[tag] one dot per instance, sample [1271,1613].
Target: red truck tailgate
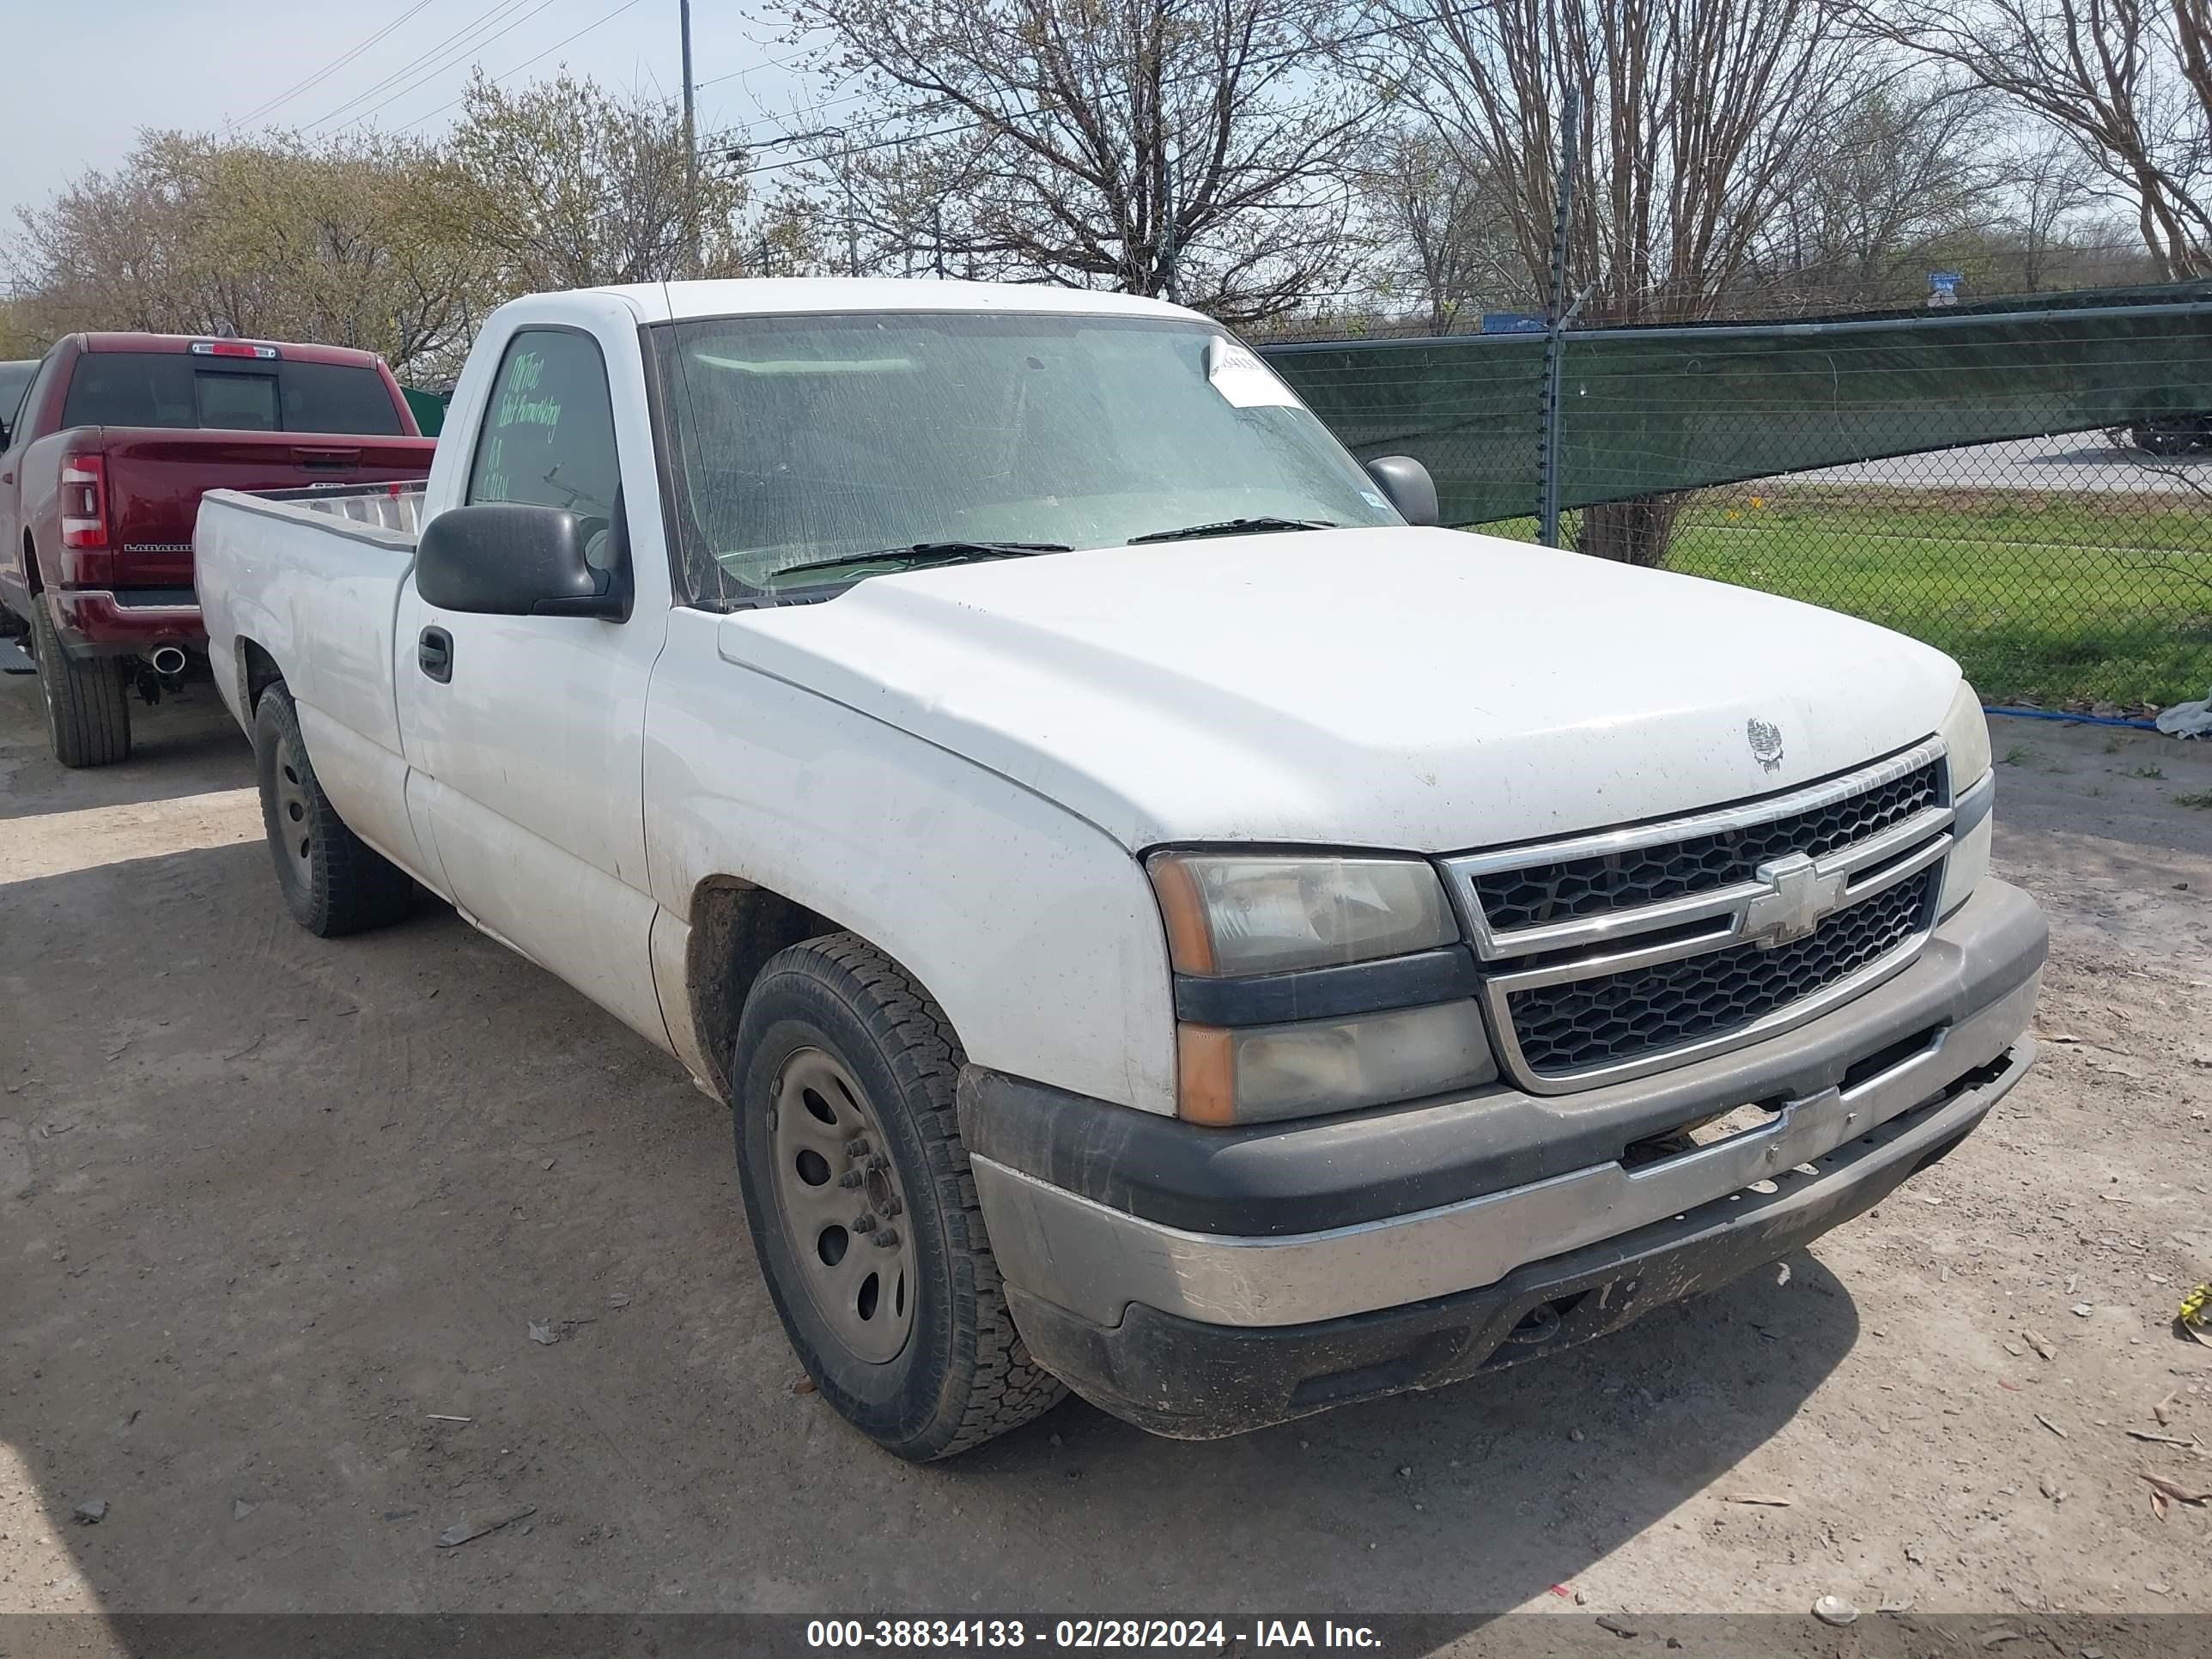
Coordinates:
[157,474]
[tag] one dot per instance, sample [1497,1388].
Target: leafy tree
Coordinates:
[568,186]
[345,242]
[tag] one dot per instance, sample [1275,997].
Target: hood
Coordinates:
[1417,690]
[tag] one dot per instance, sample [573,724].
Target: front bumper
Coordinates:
[100,622]
[1187,1298]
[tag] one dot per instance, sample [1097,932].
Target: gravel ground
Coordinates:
[276,1216]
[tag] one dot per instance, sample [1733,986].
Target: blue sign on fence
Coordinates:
[1512,322]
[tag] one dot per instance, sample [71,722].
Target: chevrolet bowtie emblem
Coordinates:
[1801,900]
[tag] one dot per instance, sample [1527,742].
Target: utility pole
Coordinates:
[690,152]
[1168,249]
[1547,504]
[852,232]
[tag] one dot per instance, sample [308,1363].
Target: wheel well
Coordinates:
[736,926]
[257,671]
[30,563]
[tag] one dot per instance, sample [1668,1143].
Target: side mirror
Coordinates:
[1405,482]
[508,559]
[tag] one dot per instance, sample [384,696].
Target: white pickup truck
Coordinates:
[1164,922]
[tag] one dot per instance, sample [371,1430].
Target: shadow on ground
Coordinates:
[187,745]
[279,1215]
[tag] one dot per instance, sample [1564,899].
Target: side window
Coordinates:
[548,436]
[34,395]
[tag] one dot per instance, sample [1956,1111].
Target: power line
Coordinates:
[453,58]
[526,62]
[754,68]
[335,64]
[1010,116]
[481,20]
[927,105]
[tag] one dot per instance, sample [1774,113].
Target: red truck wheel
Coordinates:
[88,705]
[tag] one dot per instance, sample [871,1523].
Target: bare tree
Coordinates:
[1903,170]
[2130,81]
[1698,119]
[1441,228]
[1140,144]
[2050,183]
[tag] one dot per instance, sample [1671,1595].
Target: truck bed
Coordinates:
[325,569]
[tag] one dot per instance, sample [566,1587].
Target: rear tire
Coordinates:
[332,881]
[888,1289]
[88,705]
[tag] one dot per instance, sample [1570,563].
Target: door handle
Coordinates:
[434,654]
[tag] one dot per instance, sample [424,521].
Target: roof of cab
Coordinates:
[295,351]
[769,296]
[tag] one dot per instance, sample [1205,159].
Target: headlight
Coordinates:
[1238,915]
[1229,914]
[1966,735]
[1259,1073]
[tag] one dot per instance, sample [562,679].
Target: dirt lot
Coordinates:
[274,1211]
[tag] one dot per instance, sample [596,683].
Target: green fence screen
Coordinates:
[429,408]
[2026,483]
[1648,410]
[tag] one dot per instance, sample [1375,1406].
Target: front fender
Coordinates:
[1035,931]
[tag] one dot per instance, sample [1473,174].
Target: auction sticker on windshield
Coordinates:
[1242,378]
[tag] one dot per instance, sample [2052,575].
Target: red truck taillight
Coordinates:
[84,501]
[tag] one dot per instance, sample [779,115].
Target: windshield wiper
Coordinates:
[922,555]
[1233,527]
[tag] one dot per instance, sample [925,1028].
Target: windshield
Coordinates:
[802,440]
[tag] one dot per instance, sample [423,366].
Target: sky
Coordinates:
[78,80]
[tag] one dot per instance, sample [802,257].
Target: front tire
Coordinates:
[332,881]
[862,1210]
[88,705]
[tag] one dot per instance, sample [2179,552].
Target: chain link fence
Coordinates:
[2065,572]
[2029,489]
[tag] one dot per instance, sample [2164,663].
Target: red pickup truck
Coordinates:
[101,477]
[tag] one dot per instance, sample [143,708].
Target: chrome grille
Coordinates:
[1612,956]
[1600,1021]
[1591,886]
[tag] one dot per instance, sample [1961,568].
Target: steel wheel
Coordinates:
[843,1213]
[293,821]
[844,1070]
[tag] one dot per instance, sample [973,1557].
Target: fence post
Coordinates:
[1558,311]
